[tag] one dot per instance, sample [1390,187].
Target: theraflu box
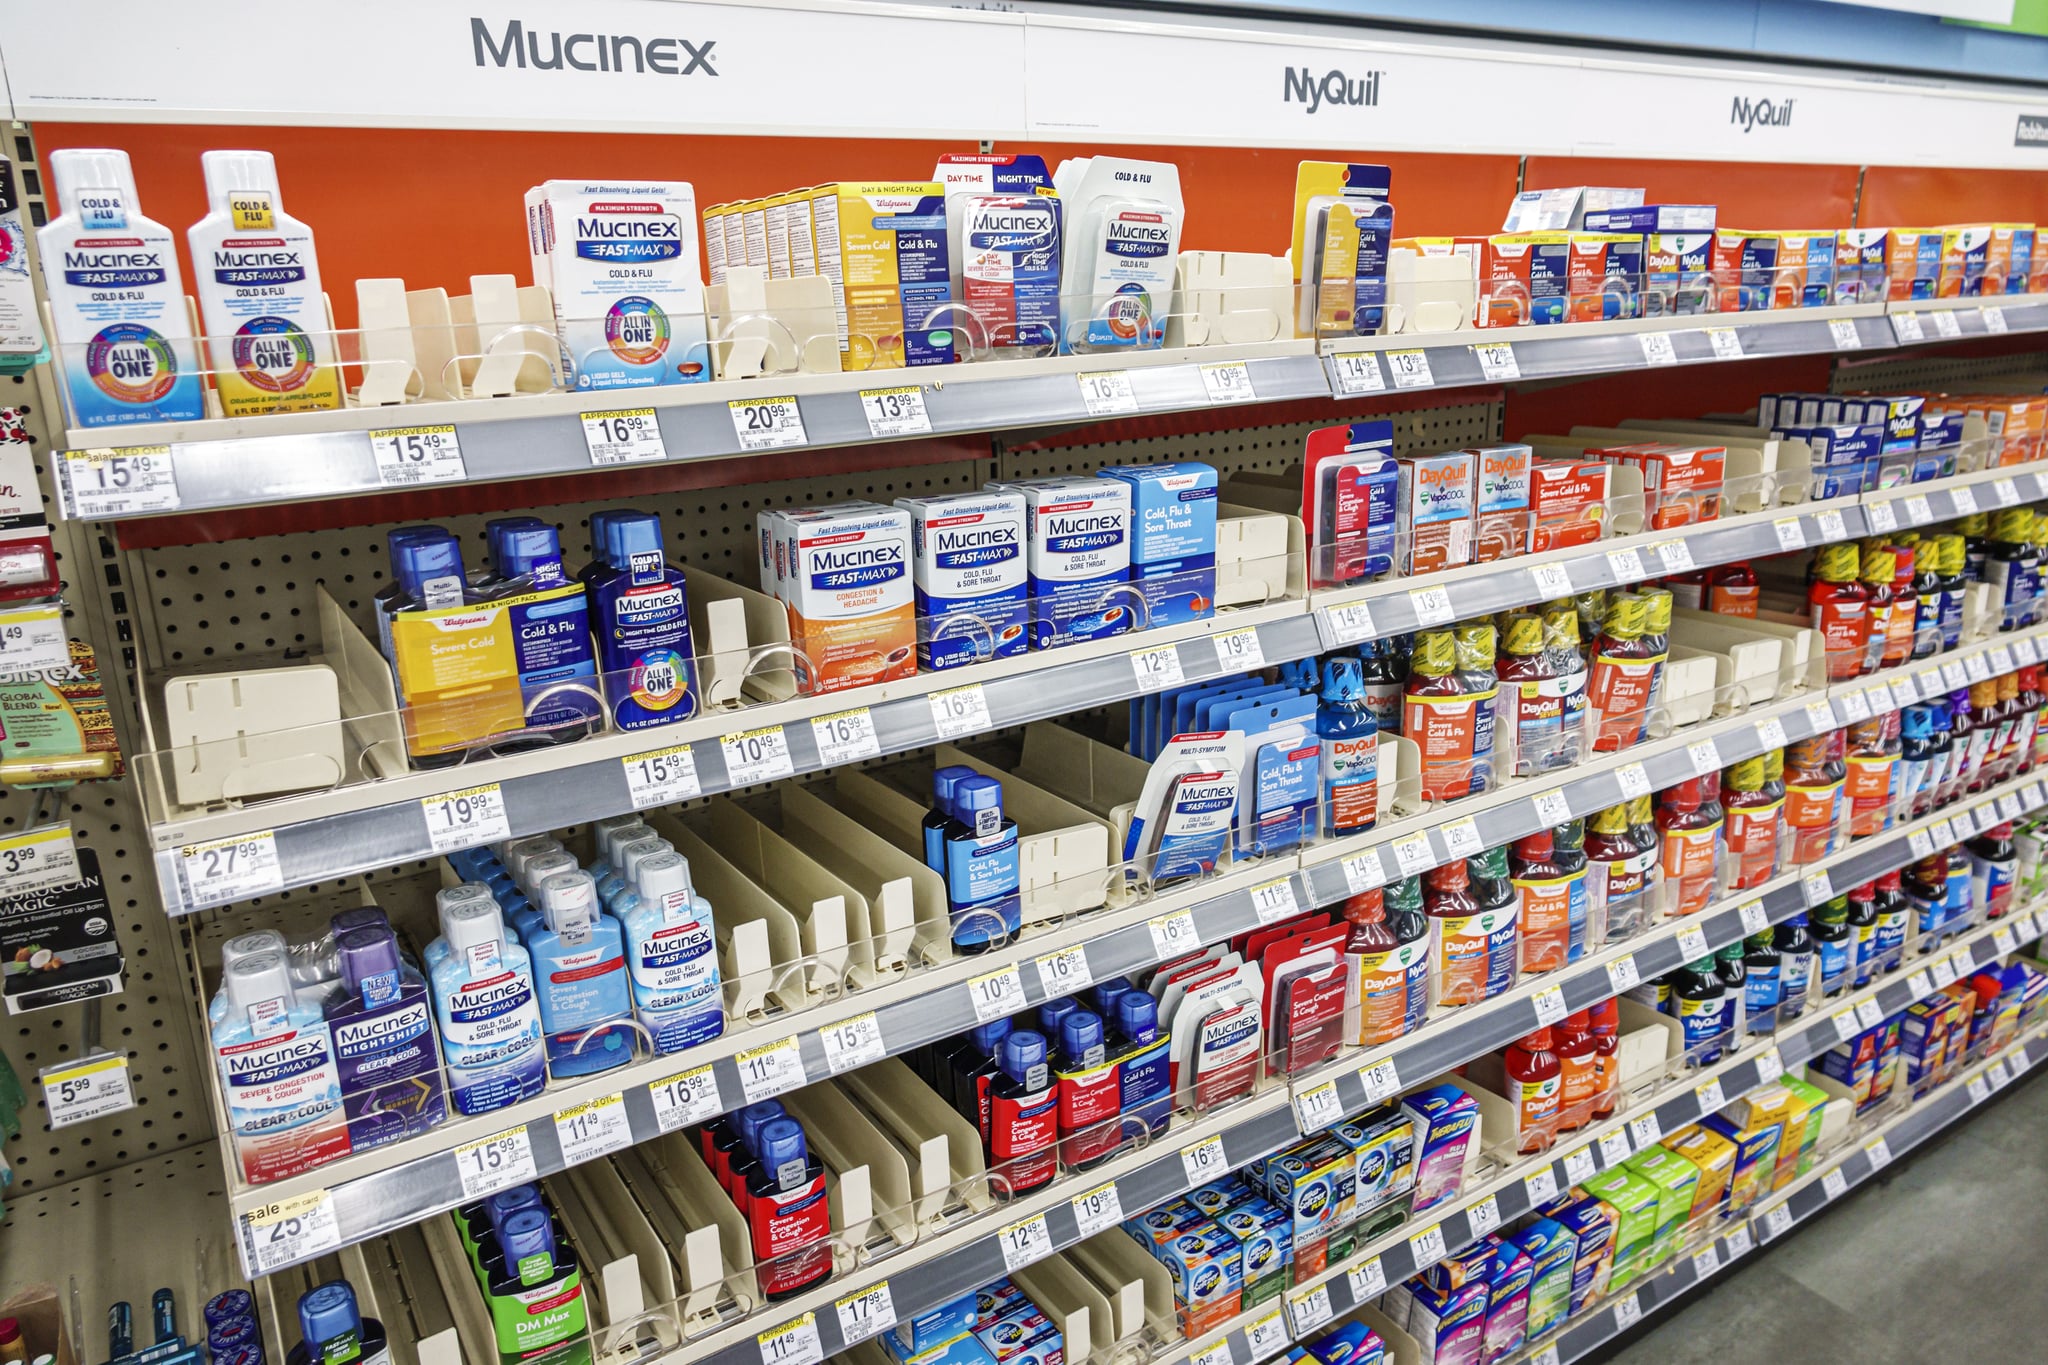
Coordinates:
[843,574]
[1078,554]
[883,247]
[628,287]
[967,558]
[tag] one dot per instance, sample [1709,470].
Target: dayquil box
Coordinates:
[1913,260]
[1604,277]
[1678,273]
[1500,522]
[1567,503]
[883,245]
[1965,254]
[1433,513]
[1525,279]
[1861,275]
[1636,1203]
[843,574]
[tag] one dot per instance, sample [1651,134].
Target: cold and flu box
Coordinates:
[1078,552]
[1173,539]
[884,247]
[843,575]
[967,553]
[621,260]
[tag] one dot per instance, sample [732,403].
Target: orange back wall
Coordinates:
[435,206]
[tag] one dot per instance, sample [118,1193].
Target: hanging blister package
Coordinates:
[1343,234]
[1003,223]
[1121,250]
[1350,499]
[1184,813]
[1277,809]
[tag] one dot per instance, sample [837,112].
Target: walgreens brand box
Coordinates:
[1681,483]
[1647,218]
[1567,503]
[1524,279]
[883,246]
[1173,539]
[1913,260]
[1766,270]
[1605,277]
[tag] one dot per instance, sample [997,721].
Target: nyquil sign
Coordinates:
[1749,114]
[1303,86]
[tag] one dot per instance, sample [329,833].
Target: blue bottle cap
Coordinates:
[1102,995]
[230,1304]
[636,534]
[405,535]
[1343,679]
[505,1203]
[425,560]
[784,1154]
[528,1232]
[978,804]
[530,551]
[1052,1012]
[600,536]
[1137,1016]
[1081,1038]
[1798,918]
[1022,1058]
[756,1116]
[944,780]
[1917,723]
[498,528]
[327,1312]
[988,1037]
[370,956]
[1944,714]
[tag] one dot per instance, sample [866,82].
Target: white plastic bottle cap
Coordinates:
[91,168]
[449,896]
[630,856]
[569,900]
[228,173]
[662,876]
[259,988]
[611,840]
[547,865]
[475,931]
[249,945]
[519,852]
[600,828]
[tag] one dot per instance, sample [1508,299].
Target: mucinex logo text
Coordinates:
[1748,114]
[1300,85]
[618,53]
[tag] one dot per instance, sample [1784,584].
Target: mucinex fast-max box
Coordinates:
[844,576]
[1078,554]
[967,559]
[883,247]
[628,287]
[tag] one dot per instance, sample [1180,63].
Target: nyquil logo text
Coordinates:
[2031,132]
[1749,114]
[1303,86]
[616,52]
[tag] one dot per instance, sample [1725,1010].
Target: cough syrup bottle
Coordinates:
[1832,946]
[1953,586]
[1607,1056]
[1992,861]
[1023,1113]
[1905,616]
[1562,645]
[1623,675]
[1813,798]
[1753,820]
[1731,966]
[1536,1089]
[1535,699]
[1795,966]
[1351,750]
[1696,999]
[1472,962]
[1689,851]
[1875,573]
[1579,1071]
[1839,608]
[1553,900]
[1893,914]
[1623,870]
[1085,1078]
[1874,748]
[1763,979]
[1448,709]
[1390,967]
[787,1212]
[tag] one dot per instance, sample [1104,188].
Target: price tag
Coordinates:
[1203,1161]
[1918,510]
[287,1231]
[1552,581]
[1622,976]
[1552,808]
[89,1088]
[661,777]
[1550,1006]
[1381,1080]
[39,858]
[1219,1354]
[1998,1075]
[1358,372]
[2019,1061]
[1025,1241]
[1626,565]
[1920,985]
[1099,1208]
[495,1163]
[104,483]
[1906,327]
[2001,659]
[1318,1107]
[1920,844]
[1976,668]
[1311,1310]
[1540,1187]
[1770,1063]
[1239,651]
[865,1313]
[1727,345]
[1835,1183]
[629,436]
[1363,872]
[1943,834]
[1944,976]
[1869,1014]
[2006,491]
[793,1343]
[1657,348]
[1855,706]
[588,1131]
[1106,393]
[33,640]
[1738,1241]
[1497,361]
[1432,606]
[1791,533]
[1962,962]
[1628,1310]
[960,711]
[2009,807]
[1579,1166]
[1275,900]
[1979,1088]
[771,1069]
[1882,517]
[1676,554]
[759,755]
[1174,934]
[466,818]
[1348,624]
[1816,887]
[686,1098]
[1904,693]
[2002,940]
[1614,1148]
[845,737]
[996,994]
[767,423]
[1064,972]
[1461,840]
[1879,1152]
[1156,667]
[1634,779]
[1705,756]
[1643,1131]
[1770,732]
[1427,1246]
[2024,649]
[1410,369]
[1845,1024]
[1830,525]
[1710,1096]
[1366,1282]
[1754,918]
[1692,943]
[1230,382]
[1820,716]
[1484,1216]
[1778,1220]
[1947,324]
[1706,1261]
[1546,1356]
[1413,854]
[1842,331]
[1266,1336]
[1994,318]
[853,1042]
[895,412]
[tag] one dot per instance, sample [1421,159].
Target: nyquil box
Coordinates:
[1077,536]
[967,562]
[1173,539]
[628,287]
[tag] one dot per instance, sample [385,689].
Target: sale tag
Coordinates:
[1920,844]
[1203,1161]
[1427,1246]
[1318,1107]
[793,1343]
[759,755]
[1976,668]
[2001,659]
[466,818]
[1947,324]
[1998,1075]
[1310,1310]
[684,1099]
[103,483]
[1643,1131]
[1778,1220]
[845,737]
[1363,872]
[1410,369]
[1553,808]
[1579,1166]
[1550,1006]
[1098,1209]
[1657,348]
[1634,779]
[1381,1080]
[1692,943]
[1855,706]
[852,1042]
[1834,1183]
[1174,934]
[1770,1064]
[1614,1147]
[629,436]
[588,1131]
[1906,327]
[1820,716]
[1540,1187]
[1830,525]
[1229,382]
[1157,667]
[1727,345]
[1218,1354]
[1869,1014]
[960,711]
[2025,650]
[2002,940]
[1484,1216]
[1366,1282]
[495,1163]
[1413,854]
[1626,565]
[1432,606]
[33,640]
[771,1069]
[1106,393]
[895,412]
[1845,1025]
[1816,887]
[1919,985]
[1064,972]
[1239,650]
[865,1312]
[661,777]
[288,1231]
[1879,700]
[1358,372]
[89,1088]
[38,858]
[1275,900]
[1348,624]
[767,423]
[408,457]
[1754,917]
[1552,581]
[996,994]
[1496,361]
[1546,1356]
[1461,840]
[1791,533]
[1943,972]
[1024,1242]
[1842,331]
[1622,976]
[1943,835]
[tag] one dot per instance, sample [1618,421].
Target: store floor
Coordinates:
[1956,1229]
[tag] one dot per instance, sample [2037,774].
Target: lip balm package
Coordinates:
[1349,498]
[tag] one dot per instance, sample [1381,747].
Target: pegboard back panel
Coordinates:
[1269,449]
[1932,370]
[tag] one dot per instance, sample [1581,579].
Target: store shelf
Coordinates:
[1917,321]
